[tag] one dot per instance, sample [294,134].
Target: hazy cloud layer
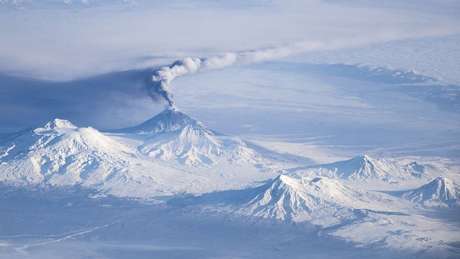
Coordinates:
[72,41]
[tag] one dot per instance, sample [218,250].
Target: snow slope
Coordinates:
[164,156]
[366,218]
[62,155]
[365,168]
[189,159]
[320,200]
[174,136]
[172,154]
[440,192]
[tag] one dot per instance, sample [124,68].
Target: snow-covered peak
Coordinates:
[59,124]
[174,136]
[285,180]
[365,168]
[169,120]
[440,192]
[59,153]
[363,159]
[443,186]
[310,199]
[362,166]
[357,168]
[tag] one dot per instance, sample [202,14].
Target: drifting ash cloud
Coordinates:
[159,85]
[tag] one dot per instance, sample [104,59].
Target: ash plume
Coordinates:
[159,86]
[160,82]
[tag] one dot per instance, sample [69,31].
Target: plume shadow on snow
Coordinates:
[97,101]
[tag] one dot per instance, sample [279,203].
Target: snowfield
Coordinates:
[169,154]
[176,161]
[441,192]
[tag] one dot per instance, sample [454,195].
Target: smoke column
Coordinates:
[160,83]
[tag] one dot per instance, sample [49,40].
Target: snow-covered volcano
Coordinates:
[366,168]
[440,192]
[174,136]
[169,120]
[319,200]
[333,207]
[61,154]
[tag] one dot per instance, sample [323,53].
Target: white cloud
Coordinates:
[63,43]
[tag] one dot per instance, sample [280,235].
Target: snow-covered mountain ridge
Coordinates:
[169,120]
[172,155]
[50,152]
[174,136]
[364,168]
[61,154]
[320,200]
[440,192]
[334,208]
[168,154]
